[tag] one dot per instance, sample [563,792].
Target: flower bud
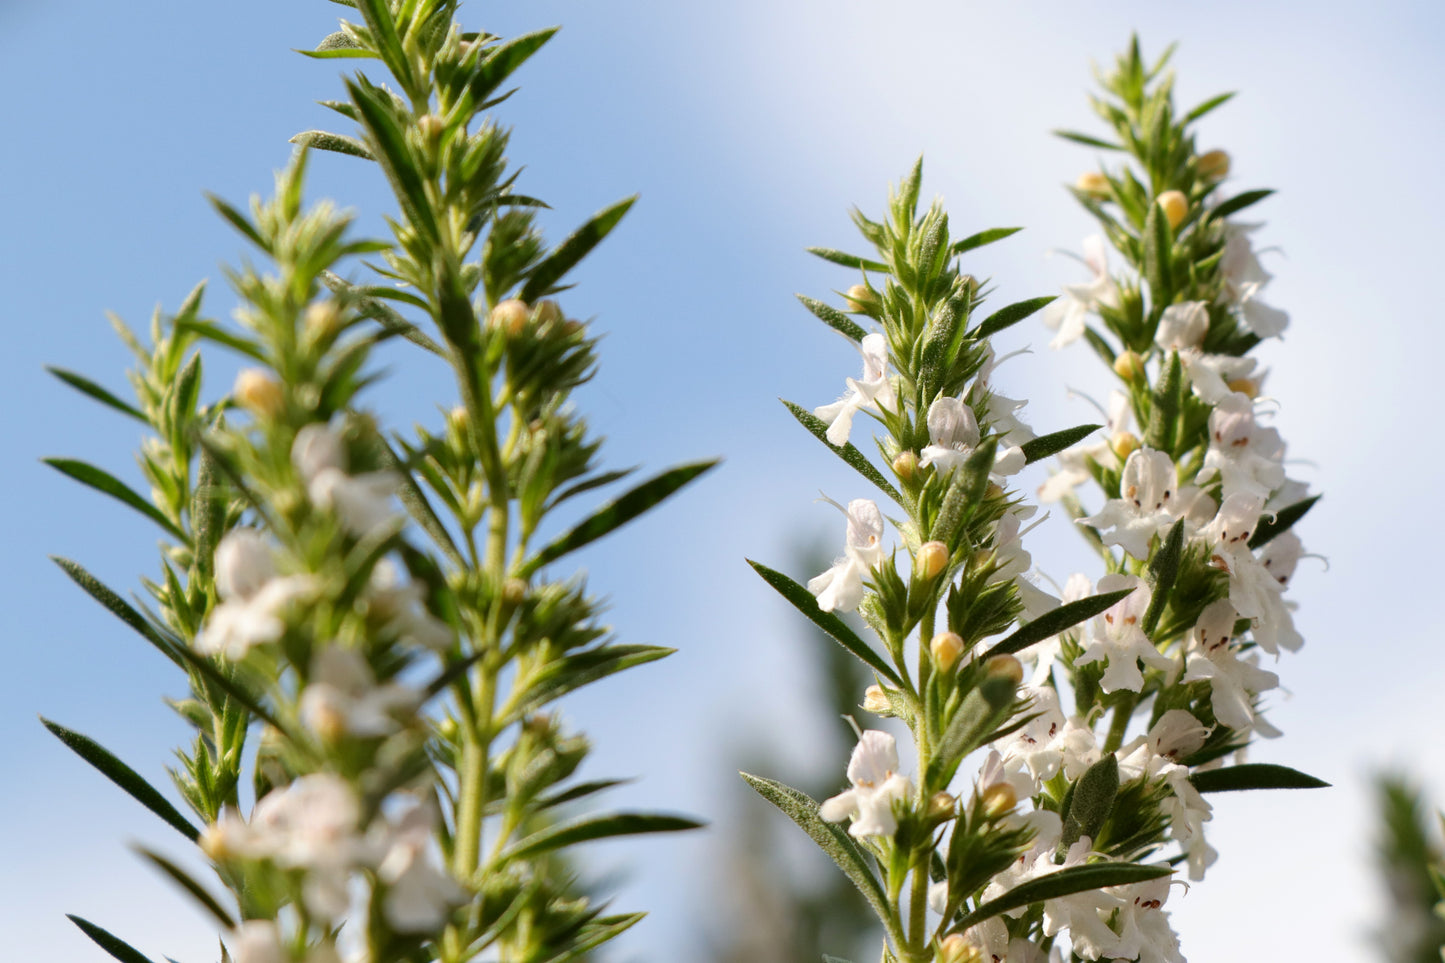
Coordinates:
[573,328]
[1214,165]
[945,648]
[931,560]
[998,800]
[994,490]
[905,466]
[259,393]
[430,126]
[954,948]
[1124,444]
[1092,182]
[1175,207]
[1004,667]
[876,701]
[514,591]
[1245,386]
[860,299]
[218,840]
[1129,366]
[510,316]
[321,320]
[549,312]
[941,806]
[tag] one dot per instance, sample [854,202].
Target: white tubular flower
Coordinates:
[1254,590]
[1119,638]
[1149,488]
[1067,314]
[311,825]
[1280,556]
[400,605]
[420,896]
[841,587]
[953,433]
[1156,757]
[1233,683]
[1182,327]
[343,697]
[254,599]
[1033,745]
[362,503]
[1244,280]
[872,393]
[1247,457]
[258,941]
[877,785]
[1084,914]
[1016,776]
[1144,931]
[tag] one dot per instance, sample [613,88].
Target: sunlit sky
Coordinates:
[748,129]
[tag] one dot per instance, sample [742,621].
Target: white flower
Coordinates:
[872,393]
[311,824]
[952,433]
[420,896]
[841,587]
[1156,757]
[1049,742]
[1244,280]
[1183,326]
[362,503]
[877,785]
[1067,314]
[253,598]
[1147,506]
[1083,914]
[400,605]
[343,697]
[1254,590]
[1233,682]
[1248,457]
[1144,931]
[1119,637]
[258,941]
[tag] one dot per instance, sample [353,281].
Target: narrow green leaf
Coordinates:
[1206,107]
[617,513]
[379,22]
[338,53]
[1168,398]
[1010,315]
[336,143]
[1158,254]
[123,776]
[112,944]
[383,314]
[966,488]
[503,60]
[116,605]
[575,671]
[106,483]
[588,484]
[834,318]
[233,688]
[1091,800]
[1086,140]
[982,238]
[1053,622]
[848,452]
[1238,203]
[393,152]
[184,880]
[86,386]
[597,932]
[1283,521]
[1163,568]
[239,221]
[419,507]
[830,837]
[219,335]
[209,501]
[579,791]
[1254,775]
[1066,882]
[837,629]
[543,278]
[339,40]
[982,711]
[848,260]
[588,828]
[1045,445]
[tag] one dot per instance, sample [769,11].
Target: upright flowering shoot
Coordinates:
[950,865]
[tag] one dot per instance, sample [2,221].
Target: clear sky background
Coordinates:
[748,128]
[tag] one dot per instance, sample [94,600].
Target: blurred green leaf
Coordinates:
[848,452]
[336,143]
[112,944]
[588,828]
[184,880]
[1283,521]
[86,386]
[982,238]
[848,260]
[106,483]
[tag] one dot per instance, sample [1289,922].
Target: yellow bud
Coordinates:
[860,299]
[217,842]
[1123,444]
[994,490]
[1214,165]
[1129,366]
[905,466]
[931,560]
[322,319]
[1004,667]
[1246,386]
[1092,182]
[430,126]
[955,949]
[876,701]
[510,316]
[1175,207]
[945,648]
[458,420]
[514,591]
[549,312]
[941,806]
[259,393]
[998,800]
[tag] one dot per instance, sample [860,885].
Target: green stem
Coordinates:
[1119,724]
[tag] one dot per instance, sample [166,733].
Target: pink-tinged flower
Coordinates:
[877,786]
[872,393]
[1119,638]
[840,588]
[1067,314]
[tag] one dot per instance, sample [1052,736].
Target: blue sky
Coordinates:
[748,129]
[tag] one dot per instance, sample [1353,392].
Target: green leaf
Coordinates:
[185,881]
[1158,253]
[86,386]
[336,143]
[1163,568]
[123,776]
[1051,444]
[112,944]
[597,932]
[830,837]
[575,671]
[219,335]
[588,828]
[340,40]
[209,501]
[848,260]
[504,59]
[1168,398]
[1010,315]
[983,710]
[337,53]
[543,278]
[383,314]
[805,602]
[379,21]
[1238,203]
[579,791]
[108,484]
[966,488]
[982,238]
[117,606]
[1206,107]
[1283,521]
[848,452]
[419,508]
[1053,622]
[1086,140]
[239,221]
[617,513]
[393,153]
[1254,775]
[233,688]
[1091,800]
[1066,882]
[834,318]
